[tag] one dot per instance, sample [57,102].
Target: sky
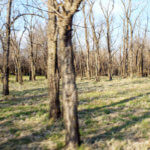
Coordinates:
[117,23]
[19,7]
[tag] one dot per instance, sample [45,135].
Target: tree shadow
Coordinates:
[110,105]
[114,132]
[107,111]
[21,100]
[29,91]
[34,137]
[22,115]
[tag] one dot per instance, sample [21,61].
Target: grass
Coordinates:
[113,115]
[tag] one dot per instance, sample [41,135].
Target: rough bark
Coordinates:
[52,65]
[69,93]
[6,51]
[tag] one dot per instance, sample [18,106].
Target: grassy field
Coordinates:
[113,115]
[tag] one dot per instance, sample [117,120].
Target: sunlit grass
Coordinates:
[112,115]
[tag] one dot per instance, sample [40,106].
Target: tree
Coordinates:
[108,18]
[130,24]
[32,50]
[16,46]
[52,63]
[96,40]
[87,43]
[6,49]
[67,10]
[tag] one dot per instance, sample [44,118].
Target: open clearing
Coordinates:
[113,115]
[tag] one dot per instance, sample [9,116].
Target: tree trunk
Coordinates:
[96,43]
[20,78]
[32,59]
[87,45]
[52,69]
[6,51]
[125,50]
[32,66]
[109,52]
[141,63]
[69,93]
[131,54]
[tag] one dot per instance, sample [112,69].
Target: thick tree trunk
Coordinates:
[69,93]
[52,69]
[6,51]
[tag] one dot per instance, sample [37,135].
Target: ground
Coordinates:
[113,115]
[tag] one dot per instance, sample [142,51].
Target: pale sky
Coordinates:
[99,18]
[117,21]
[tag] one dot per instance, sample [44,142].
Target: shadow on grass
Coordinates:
[17,97]
[29,91]
[21,100]
[24,112]
[114,132]
[110,105]
[35,137]
[22,115]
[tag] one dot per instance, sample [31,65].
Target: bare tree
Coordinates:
[108,18]
[32,55]
[131,24]
[87,42]
[96,39]
[16,46]
[140,50]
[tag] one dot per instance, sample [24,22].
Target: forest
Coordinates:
[74,75]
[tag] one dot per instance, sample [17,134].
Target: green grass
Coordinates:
[112,115]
